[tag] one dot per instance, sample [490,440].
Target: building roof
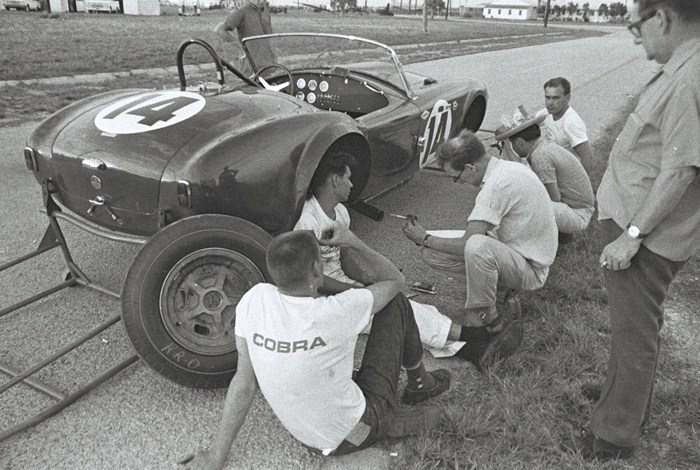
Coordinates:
[510,4]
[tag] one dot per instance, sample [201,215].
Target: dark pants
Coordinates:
[635,298]
[393,342]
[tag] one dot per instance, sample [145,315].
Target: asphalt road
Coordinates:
[139,419]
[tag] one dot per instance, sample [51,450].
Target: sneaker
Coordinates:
[502,345]
[591,447]
[413,421]
[442,383]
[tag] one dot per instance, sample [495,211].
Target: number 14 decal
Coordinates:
[149,111]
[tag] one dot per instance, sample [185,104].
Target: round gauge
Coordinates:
[311,97]
[300,95]
[323,86]
[312,85]
[301,83]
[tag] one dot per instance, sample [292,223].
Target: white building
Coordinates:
[510,9]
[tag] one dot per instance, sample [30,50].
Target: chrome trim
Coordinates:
[99,231]
[94,164]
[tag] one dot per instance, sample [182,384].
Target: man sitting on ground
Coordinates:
[562,174]
[511,236]
[562,124]
[299,347]
[323,213]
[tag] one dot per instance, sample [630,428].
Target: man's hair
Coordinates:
[688,10]
[290,257]
[559,81]
[332,163]
[459,151]
[528,134]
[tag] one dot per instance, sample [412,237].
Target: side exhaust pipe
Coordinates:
[368,210]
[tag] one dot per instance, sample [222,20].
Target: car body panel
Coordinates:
[122,159]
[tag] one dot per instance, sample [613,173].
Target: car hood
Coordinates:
[126,143]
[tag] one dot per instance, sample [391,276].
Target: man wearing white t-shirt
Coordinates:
[562,124]
[323,213]
[298,347]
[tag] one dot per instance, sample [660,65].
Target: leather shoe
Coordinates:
[442,383]
[502,345]
[592,447]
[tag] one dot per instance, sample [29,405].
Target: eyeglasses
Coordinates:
[456,178]
[636,27]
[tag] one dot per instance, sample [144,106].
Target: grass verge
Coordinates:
[516,416]
[72,43]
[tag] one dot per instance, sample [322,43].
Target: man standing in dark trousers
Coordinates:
[251,19]
[649,207]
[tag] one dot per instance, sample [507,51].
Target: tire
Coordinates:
[180,295]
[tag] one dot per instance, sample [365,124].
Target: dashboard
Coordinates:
[347,94]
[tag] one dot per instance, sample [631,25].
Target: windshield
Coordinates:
[305,51]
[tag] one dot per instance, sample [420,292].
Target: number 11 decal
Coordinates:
[437,130]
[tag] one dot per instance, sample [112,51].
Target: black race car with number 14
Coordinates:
[206,174]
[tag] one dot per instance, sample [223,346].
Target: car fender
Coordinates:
[260,174]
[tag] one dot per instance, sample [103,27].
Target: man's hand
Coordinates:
[414,231]
[343,238]
[204,460]
[619,253]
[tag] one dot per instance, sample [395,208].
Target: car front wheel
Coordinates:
[181,292]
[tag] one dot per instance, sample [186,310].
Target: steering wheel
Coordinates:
[279,87]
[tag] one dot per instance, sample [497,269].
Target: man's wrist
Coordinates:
[426,237]
[634,232]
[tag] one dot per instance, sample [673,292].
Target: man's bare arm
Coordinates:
[389,282]
[332,286]
[238,400]
[585,154]
[553,191]
[453,246]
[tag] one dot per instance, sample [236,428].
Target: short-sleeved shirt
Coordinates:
[554,165]
[249,20]
[514,200]
[568,131]
[302,351]
[663,133]
[315,219]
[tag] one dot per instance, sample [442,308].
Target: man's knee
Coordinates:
[479,247]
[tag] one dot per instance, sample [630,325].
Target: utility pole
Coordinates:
[546,14]
[447,10]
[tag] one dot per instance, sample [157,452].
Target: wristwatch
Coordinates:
[425,240]
[634,232]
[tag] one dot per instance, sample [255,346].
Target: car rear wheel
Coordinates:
[180,295]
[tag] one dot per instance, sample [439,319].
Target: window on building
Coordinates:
[489,11]
[520,13]
[510,11]
[499,11]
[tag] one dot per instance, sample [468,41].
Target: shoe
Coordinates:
[442,383]
[414,420]
[591,391]
[592,447]
[502,345]
[510,311]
